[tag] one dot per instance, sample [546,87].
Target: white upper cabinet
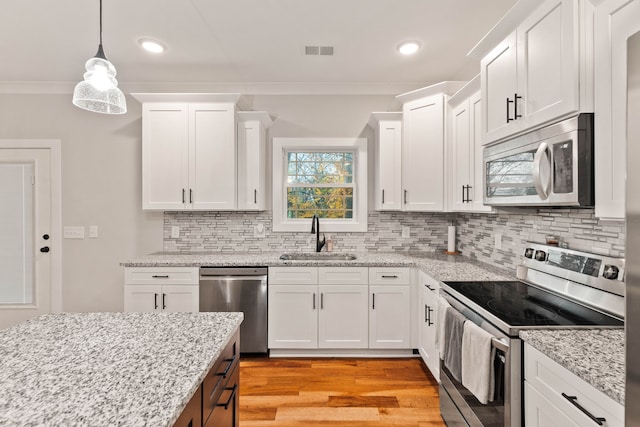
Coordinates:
[188,151]
[252,149]
[537,73]
[465,144]
[423,147]
[388,160]
[615,21]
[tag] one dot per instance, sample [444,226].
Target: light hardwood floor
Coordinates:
[337,393]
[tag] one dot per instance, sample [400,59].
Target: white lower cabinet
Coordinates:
[389,308]
[334,308]
[427,335]
[167,289]
[553,396]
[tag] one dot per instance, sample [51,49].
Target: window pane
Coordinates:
[319,168]
[331,202]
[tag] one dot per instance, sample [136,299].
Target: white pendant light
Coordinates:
[99,91]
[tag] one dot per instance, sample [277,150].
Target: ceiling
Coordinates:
[249,44]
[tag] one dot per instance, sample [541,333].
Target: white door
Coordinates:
[180,298]
[28,238]
[389,164]
[343,320]
[460,139]
[293,316]
[142,298]
[389,316]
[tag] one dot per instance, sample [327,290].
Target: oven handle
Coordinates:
[499,345]
[541,187]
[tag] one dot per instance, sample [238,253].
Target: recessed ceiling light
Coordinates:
[408,48]
[152,45]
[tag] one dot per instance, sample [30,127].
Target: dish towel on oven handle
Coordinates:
[453,330]
[477,362]
[440,312]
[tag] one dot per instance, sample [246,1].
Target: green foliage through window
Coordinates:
[320,183]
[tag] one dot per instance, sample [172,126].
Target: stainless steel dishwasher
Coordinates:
[238,289]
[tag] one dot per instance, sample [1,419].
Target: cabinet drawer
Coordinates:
[220,376]
[427,282]
[293,275]
[343,275]
[161,275]
[389,276]
[552,380]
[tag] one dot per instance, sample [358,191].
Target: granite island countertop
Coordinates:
[595,355]
[436,264]
[107,369]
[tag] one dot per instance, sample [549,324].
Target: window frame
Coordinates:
[358,146]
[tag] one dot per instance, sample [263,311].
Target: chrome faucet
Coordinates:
[315,228]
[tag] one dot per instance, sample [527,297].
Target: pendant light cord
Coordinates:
[100,53]
[100,22]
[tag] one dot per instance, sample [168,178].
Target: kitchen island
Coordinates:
[108,369]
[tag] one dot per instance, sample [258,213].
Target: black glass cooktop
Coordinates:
[519,304]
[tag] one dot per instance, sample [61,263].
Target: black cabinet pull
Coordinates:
[508,118]
[321,301]
[44,249]
[164,306]
[429,287]
[155,301]
[230,362]
[183,193]
[231,396]
[429,311]
[463,187]
[574,401]
[314,300]
[468,196]
[516,116]
[158,276]
[426,315]
[405,197]
[373,301]
[255,196]
[393,276]
[190,196]
[383,197]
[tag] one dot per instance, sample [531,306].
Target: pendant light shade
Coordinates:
[99,91]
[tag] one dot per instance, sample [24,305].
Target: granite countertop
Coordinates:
[436,264]
[107,369]
[595,355]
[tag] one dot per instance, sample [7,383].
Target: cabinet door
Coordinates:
[539,412]
[498,80]
[548,64]
[429,351]
[343,319]
[460,166]
[615,22]
[180,298]
[293,316]
[212,156]
[476,168]
[142,298]
[389,316]
[165,156]
[423,154]
[251,166]
[389,166]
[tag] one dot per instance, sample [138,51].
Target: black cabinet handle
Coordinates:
[321,301]
[230,362]
[429,311]
[190,196]
[426,313]
[405,197]
[164,306]
[429,287]
[508,118]
[155,301]
[468,196]
[373,301]
[255,196]
[463,200]
[383,197]
[516,116]
[183,193]
[44,249]
[158,276]
[393,276]
[574,401]
[231,396]
[314,301]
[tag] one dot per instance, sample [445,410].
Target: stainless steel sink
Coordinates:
[314,256]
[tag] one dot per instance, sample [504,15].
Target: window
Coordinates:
[323,177]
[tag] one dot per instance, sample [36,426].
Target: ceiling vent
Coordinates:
[318,50]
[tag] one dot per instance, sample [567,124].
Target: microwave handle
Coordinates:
[539,175]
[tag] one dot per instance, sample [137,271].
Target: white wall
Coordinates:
[101,175]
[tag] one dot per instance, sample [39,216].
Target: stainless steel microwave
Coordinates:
[552,166]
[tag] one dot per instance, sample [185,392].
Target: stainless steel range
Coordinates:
[558,288]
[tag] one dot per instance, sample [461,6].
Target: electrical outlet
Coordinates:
[73,232]
[258,231]
[406,232]
[498,241]
[93,231]
[175,231]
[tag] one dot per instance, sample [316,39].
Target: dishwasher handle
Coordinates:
[232,278]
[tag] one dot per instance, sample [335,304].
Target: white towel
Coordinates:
[477,361]
[440,312]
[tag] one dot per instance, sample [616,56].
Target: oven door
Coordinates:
[549,167]
[459,407]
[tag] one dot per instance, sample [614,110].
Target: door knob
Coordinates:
[44,249]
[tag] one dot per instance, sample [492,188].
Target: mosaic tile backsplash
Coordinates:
[475,233]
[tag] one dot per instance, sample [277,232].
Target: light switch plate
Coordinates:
[175,231]
[258,231]
[73,232]
[93,231]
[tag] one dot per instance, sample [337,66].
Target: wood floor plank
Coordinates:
[337,392]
